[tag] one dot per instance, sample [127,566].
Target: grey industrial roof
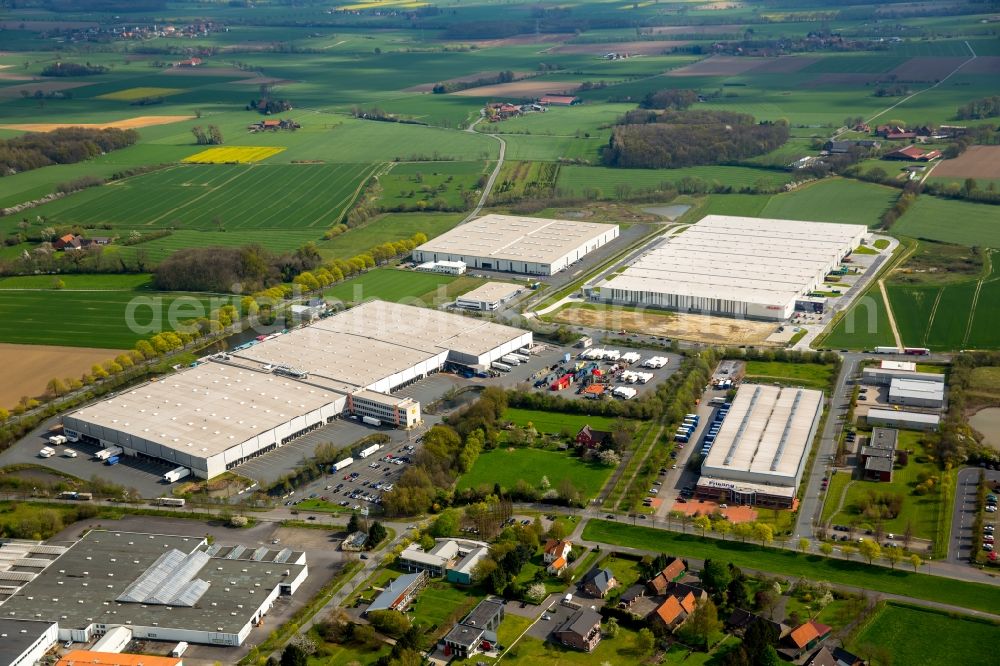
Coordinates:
[879,464]
[746,486]
[516,238]
[17,636]
[83,585]
[492,292]
[766,432]
[757,260]
[883,438]
[904,374]
[484,613]
[892,415]
[464,635]
[388,596]
[912,388]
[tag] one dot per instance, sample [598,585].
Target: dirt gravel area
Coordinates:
[926,69]
[521,89]
[783,65]
[28,368]
[44,86]
[701,328]
[717,65]
[128,123]
[428,87]
[646,47]
[975,162]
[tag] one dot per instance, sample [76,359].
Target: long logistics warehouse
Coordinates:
[242,404]
[528,245]
[760,451]
[734,266]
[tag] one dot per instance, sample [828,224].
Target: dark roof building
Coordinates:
[592,438]
[581,630]
[834,657]
[598,582]
[25,642]
[477,632]
[399,593]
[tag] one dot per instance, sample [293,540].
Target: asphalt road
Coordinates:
[812,498]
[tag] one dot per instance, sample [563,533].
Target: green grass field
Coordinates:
[389,284]
[552,422]
[98,282]
[967,223]
[578,179]
[218,197]
[276,240]
[833,200]
[808,375]
[978,596]
[864,326]
[417,185]
[508,466]
[917,636]
[89,319]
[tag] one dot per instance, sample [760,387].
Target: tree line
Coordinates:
[671,139]
[66,69]
[986,107]
[67,145]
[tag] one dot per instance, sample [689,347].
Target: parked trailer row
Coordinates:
[510,359]
[655,362]
[502,367]
[341,464]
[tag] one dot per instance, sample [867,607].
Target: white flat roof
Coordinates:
[207,409]
[491,292]
[757,260]
[909,366]
[899,416]
[516,238]
[766,433]
[912,386]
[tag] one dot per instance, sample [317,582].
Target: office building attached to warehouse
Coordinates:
[743,267]
[241,404]
[760,451]
[527,245]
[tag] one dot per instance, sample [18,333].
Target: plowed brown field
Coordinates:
[28,368]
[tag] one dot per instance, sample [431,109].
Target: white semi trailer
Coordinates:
[175,475]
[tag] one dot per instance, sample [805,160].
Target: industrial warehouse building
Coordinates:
[241,404]
[761,449]
[734,266]
[529,245]
[890,418]
[25,642]
[156,586]
[915,393]
[488,297]
[884,376]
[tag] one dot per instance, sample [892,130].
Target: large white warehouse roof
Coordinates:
[760,261]
[766,435]
[528,239]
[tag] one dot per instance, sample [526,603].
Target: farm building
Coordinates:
[488,297]
[164,587]
[246,402]
[734,266]
[913,154]
[528,245]
[906,420]
[759,453]
[915,393]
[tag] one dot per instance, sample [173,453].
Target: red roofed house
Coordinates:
[895,133]
[592,438]
[559,100]
[913,154]
[805,637]
[557,565]
[670,573]
[68,242]
[556,549]
[675,610]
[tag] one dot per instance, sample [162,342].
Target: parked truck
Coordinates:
[47,452]
[113,460]
[179,651]
[502,367]
[169,501]
[175,475]
[371,420]
[510,359]
[104,454]
[56,440]
[364,453]
[341,464]
[69,453]
[888,350]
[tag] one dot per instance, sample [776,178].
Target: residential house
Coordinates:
[190,62]
[477,632]
[591,438]
[559,100]
[68,242]
[804,638]
[895,133]
[679,589]
[834,657]
[555,549]
[740,619]
[913,154]
[675,610]
[354,541]
[557,566]
[581,630]
[398,594]
[671,573]
[598,582]
[862,127]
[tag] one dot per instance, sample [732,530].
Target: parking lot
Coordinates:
[963,542]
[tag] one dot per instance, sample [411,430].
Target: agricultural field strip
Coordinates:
[188,203]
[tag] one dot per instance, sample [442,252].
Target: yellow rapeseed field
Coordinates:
[132,94]
[230,154]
